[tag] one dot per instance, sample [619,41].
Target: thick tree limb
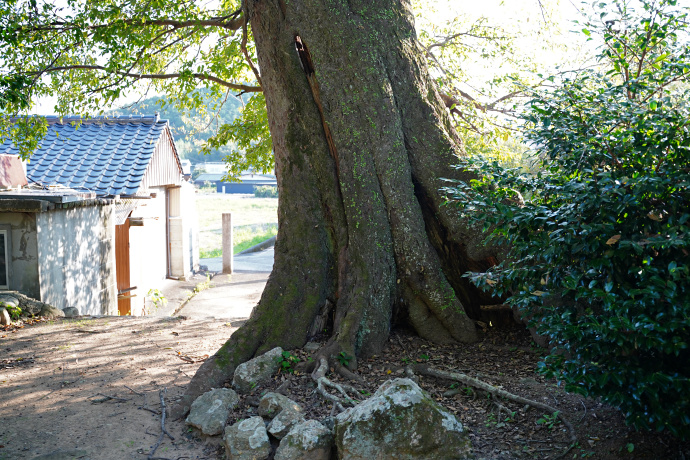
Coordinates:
[167,76]
[232,22]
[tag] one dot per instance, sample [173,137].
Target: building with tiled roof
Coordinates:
[108,156]
[101,222]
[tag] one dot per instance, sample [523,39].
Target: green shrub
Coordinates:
[599,240]
[14,312]
[266,191]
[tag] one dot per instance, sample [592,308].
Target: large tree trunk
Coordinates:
[362,141]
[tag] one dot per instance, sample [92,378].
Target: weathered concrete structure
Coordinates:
[108,219]
[61,249]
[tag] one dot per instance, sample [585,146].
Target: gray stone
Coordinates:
[51,312]
[329,422]
[309,440]
[29,305]
[70,312]
[311,347]
[400,421]
[210,410]
[283,422]
[250,374]
[5,318]
[9,299]
[247,440]
[271,404]
[72,454]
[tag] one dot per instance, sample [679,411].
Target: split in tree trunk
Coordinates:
[362,142]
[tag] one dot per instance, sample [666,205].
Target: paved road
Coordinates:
[230,296]
[260,261]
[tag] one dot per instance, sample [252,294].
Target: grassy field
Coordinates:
[254,220]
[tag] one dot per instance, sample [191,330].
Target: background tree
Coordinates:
[600,248]
[192,126]
[485,65]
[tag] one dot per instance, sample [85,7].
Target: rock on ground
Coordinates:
[70,312]
[309,440]
[27,304]
[9,299]
[271,404]
[250,374]
[210,410]
[283,422]
[247,440]
[51,312]
[4,317]
[400,421]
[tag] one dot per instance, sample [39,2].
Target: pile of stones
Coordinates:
[399,421]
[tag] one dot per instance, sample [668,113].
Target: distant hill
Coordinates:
[190,129]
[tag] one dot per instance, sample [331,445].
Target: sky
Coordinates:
[522,17]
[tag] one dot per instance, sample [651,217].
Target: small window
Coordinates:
[4,260]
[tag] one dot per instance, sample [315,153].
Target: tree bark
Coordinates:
[362,142]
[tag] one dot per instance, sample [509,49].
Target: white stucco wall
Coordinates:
[76,259]
[148,249]
[191,220]
[184,232]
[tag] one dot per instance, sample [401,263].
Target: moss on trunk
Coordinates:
[362,141]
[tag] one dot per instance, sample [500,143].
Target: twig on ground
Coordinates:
[46,395]
[467,380]
[567,451]
[502,408]
[105,398]
[146,407]
[117,413]
[164,432]
[135,392]
[153,411]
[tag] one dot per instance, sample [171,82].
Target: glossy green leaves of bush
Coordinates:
[599,239]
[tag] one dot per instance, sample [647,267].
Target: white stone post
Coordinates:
[227,243]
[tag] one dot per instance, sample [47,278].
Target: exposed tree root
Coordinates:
[322,383]
[347,373]
[467,380]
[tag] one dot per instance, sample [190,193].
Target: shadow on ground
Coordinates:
[56,378]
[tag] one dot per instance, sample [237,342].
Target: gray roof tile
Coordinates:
[106,155]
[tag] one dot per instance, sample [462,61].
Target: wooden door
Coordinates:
[124,300]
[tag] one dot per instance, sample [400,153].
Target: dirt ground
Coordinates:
[56,377]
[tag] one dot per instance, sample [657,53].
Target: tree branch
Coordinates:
[243,47]
[450,38]
[231,22]
[471,381]
[167,76]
